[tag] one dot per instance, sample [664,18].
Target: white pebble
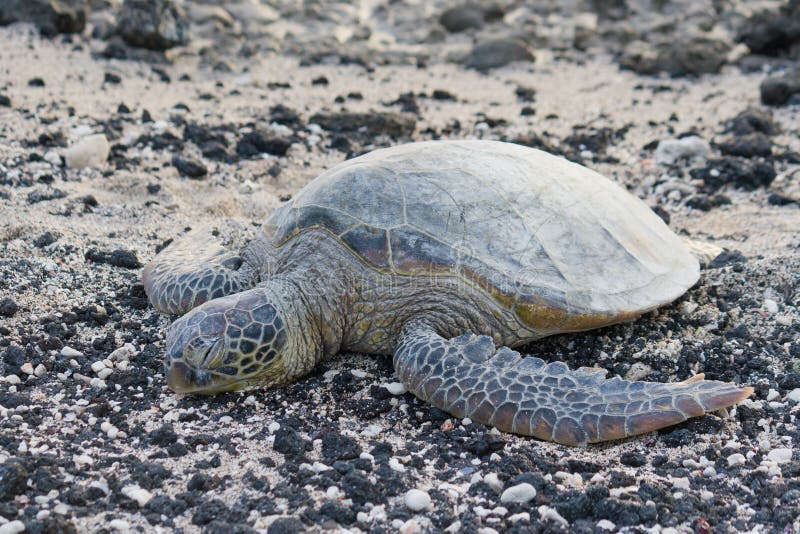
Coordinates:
[706,495]
[140,495]
[680,483]
[395,388]
[670,150]
[119,525]
[274,427]
[736,459]
[548,513]
[69,352]
[409,527]
[454,527]
[605,524]
[522,516]
[772,395]
[91,151]
[40,370]
[98,383]
[319,467]
[794,395]
[13,380]
[770,306]
[98,366]
[104,373]
[125,352]
[520,493]
[27,368]
[52,157]
[395,465]
[780,456]
[494,482]
[418,500]
[12,527]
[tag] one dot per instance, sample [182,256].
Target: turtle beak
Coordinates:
[182,378]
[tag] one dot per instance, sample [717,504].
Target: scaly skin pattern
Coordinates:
[468,377]
[195,269]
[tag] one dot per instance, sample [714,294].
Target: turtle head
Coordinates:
[230,343]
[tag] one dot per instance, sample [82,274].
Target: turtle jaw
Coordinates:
[183,378]
[193,370]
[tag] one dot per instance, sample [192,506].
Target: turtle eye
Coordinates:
[215,355]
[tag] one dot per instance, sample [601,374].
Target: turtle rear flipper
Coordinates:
[202,265]
[467,377]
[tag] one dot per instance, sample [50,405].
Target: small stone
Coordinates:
[395,388]
[752,120]
[638,371]
[780,456]
[90,151]
[27,368]
[794,395]
[395,465]
[135,493]
[633,459]
[257,143]
[669,151]
[119,525]
[153,24]
[681,483]
[747,146]
[114,79]
[409,527]
[458,19]
[494,482]
[777,90]
[5,101]
[736,459]
[371,124]
[770,306]
[12,527]
[98,366]
[189,167]
[51,17]
[677,57]
[521,493]
[522,516]
[40,370]
[418,500]
[8,307]
[605,524]
[118,258]
[497,53]
[546,513]
[104,373]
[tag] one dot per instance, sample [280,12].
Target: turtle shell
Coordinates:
[563,247]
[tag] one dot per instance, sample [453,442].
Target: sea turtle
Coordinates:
[443,253]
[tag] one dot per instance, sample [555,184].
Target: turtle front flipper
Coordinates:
[202,265]
[468,377]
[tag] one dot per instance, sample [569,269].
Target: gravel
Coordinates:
[91,440]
